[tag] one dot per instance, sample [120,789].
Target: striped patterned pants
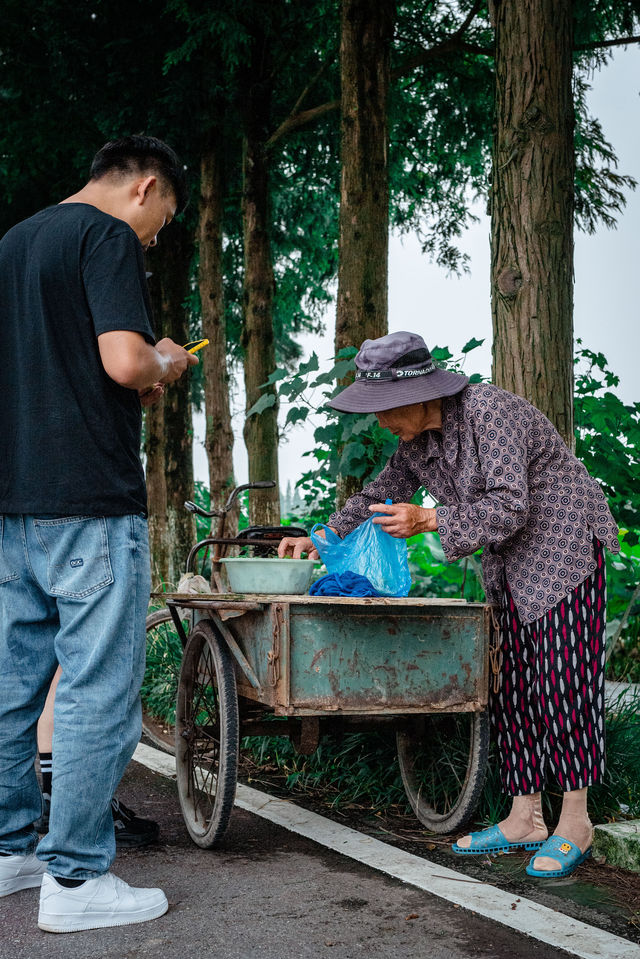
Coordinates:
[549,711]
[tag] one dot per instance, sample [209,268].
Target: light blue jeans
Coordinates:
[74,590]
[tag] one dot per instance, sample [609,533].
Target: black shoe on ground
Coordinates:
[131,830]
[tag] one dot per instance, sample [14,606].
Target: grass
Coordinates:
[624,664]
[359,768]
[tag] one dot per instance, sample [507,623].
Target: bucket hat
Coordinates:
[395,370]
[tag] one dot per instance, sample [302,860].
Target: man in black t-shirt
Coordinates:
[77,359]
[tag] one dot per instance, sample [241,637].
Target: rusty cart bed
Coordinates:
[303,665]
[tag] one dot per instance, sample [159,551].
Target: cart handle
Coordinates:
[194,508]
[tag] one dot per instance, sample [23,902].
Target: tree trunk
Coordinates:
[532,207]
[219,435]
[261,431]
[156,489]
[366,34]
[172,527]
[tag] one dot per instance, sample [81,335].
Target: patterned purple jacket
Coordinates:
[506,482]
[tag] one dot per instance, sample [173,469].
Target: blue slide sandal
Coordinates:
[491,840]
[563,851]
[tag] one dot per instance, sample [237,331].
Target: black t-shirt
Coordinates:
[69,435]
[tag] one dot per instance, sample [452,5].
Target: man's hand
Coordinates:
[133,363]
[405,519]
[295,546]
[175,360]
[152,395]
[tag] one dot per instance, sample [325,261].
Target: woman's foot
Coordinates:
[524,824]
[574,825]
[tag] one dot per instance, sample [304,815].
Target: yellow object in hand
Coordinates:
[195,345]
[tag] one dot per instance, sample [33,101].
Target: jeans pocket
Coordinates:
[7,574]
[77,551]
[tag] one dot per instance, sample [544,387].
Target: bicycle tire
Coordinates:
[207,735]
[443,764]
[160,685]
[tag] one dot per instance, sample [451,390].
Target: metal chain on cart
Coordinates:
[273,656]
[495,650]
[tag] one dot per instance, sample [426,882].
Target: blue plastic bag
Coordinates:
[369,551]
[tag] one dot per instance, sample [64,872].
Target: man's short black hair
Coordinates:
[141,154]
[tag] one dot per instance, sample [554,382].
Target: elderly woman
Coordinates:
[506,482]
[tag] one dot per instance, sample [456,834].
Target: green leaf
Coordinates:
[264,403]
[357,425]
[347,353]
[472,345]
[326,434]
[338,372]
[441,353]
[389,446]
[351,455]
[310,366]
[296,415]
[278,374]
[293,387]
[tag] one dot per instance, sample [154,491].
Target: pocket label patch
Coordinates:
[74,563]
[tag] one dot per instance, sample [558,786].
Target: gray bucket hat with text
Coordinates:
[395,370]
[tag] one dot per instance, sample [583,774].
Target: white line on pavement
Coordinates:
[525,916]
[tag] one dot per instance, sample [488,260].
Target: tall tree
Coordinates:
[154,454]
[365,39]
[219,434]
[532,203]
[258,342]
[169,447]
[366,31]
[533,193]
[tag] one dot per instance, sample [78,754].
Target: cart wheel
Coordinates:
[160,685]
[443,762]
[207,736]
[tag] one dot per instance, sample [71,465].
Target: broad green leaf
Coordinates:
[296,415]
[293,387]
[441,353]
[310,366]
[338,372]
[278,374]
[471,345]
[358,425]
[264,403]
[347,352]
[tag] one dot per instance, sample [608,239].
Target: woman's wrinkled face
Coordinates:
[407,422]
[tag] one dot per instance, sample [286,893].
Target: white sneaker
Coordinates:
[105,901]
[20,872]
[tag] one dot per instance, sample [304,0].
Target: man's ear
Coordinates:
[145,187]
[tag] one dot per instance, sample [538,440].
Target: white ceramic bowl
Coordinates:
[248,574]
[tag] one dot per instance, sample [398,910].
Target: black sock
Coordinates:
[46,769]
[69,883]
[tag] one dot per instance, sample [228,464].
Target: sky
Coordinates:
[451,310]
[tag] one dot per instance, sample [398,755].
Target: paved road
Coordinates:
[266,894]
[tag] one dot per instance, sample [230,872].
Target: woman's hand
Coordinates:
[295,546]
[405,519]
